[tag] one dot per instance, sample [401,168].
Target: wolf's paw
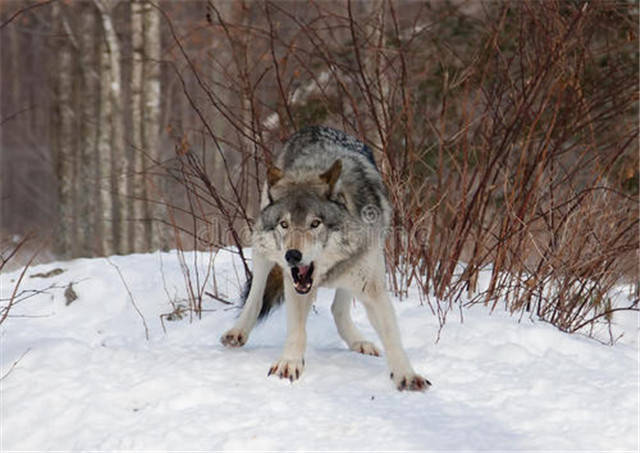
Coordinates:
[413,382]
[287,369]
[234,338]
[365,347]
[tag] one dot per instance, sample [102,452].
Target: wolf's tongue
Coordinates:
[303,270]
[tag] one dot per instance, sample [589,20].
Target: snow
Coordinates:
[86,378]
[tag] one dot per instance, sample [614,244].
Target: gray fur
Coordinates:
[322,139]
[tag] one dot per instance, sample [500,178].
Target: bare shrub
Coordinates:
[506,133]
[10,251]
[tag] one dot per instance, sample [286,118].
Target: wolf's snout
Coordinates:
[293,257]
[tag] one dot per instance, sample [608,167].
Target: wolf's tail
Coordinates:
[273,292]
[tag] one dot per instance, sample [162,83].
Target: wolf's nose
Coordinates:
[293,256]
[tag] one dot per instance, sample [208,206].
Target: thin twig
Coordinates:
[133,302]
[13,365]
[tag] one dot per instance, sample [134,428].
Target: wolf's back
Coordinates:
[334,137]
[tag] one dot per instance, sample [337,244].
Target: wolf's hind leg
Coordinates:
[239,334]
[348,331]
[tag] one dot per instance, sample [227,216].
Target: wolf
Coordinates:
[324,212]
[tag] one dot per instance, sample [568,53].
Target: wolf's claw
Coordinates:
[365,347]
[233,338]
[414,383]
[287,369]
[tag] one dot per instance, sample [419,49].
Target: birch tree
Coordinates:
[138,211]
[111,143]
[156,233]
[146,232]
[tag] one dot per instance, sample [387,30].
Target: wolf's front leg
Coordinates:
[382,316]
[239,334]
[291,362]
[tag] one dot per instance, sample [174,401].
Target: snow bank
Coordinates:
[91,381]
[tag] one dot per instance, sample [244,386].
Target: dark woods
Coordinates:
[506,132]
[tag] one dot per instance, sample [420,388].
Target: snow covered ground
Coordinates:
[88,378]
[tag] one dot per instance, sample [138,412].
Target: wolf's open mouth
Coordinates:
[302,280]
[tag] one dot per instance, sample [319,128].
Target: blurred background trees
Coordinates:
[507,132]
[81,124]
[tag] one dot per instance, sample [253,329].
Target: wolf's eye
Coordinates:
[284,224]
[316,223]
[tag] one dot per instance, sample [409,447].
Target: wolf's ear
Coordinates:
[331,175]
[274,174]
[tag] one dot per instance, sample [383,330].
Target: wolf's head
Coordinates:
[304,224]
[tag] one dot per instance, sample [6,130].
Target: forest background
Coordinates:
[507,133]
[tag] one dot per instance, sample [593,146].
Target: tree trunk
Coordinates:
[87,177]
[156,233]
[111,139]
[11,98]
[62,139]
[105,201]
[138,204]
